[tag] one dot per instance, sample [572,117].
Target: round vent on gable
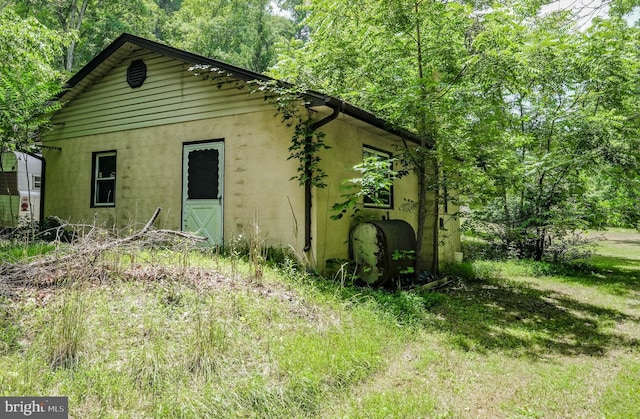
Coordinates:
[136,73]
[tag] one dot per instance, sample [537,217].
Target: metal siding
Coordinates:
[171,94]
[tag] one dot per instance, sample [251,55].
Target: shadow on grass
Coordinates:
[623,242]
[508,316]
[503,315]
[615,275]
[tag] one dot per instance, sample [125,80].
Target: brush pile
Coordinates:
[85,257]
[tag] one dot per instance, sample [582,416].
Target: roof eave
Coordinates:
[314,98]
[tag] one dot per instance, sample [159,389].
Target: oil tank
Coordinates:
[372,246]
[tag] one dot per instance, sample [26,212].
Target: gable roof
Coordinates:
[125,43]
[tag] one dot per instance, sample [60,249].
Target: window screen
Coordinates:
[202,175]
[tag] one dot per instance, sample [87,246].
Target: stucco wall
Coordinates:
[257,185]
[149,174]
[346,142]
[331,236]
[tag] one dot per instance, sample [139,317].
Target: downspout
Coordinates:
[308,182]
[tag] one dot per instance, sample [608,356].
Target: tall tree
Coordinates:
[167,9]
[297,12]
[525,103]
[242,33]
[405,60]
[89,25]
[28,79]
[570,100]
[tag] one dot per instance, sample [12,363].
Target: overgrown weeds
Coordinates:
[10,333]
[206,345]
[66,336]
[87,255]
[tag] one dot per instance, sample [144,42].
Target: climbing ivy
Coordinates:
[289,101]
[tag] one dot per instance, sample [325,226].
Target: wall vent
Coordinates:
[136,73]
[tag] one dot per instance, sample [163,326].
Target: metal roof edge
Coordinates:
[318,98]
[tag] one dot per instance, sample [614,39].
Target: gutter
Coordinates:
[309,175]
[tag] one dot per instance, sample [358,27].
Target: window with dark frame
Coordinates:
[103,185]
[385,197]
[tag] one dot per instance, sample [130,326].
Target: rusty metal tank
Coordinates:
[383,250]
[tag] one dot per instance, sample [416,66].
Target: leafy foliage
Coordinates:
[241,33]
[519,112]
[28,79]
[406,61]
[377,179]
[569,124]
[90,25]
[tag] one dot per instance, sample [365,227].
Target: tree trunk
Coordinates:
[422,217]
[540,245]
[73,22]
[68,63]
[435,261]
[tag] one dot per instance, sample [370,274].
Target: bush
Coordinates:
[490,240]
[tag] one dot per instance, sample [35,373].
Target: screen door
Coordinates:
[202,190]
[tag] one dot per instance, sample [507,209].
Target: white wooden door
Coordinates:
[202,190]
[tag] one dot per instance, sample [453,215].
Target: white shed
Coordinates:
[20,187]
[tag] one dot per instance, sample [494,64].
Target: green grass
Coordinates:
[506,339]
[12,251]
